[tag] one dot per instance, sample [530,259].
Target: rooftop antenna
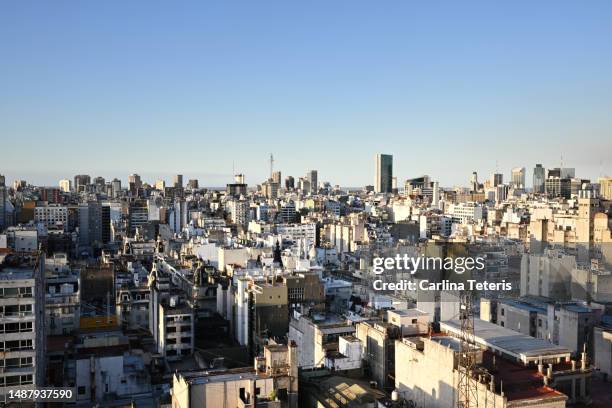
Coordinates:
[467,390]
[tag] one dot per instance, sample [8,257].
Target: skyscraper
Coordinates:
[276,177]
[384,173]
[539,176]
[312,177]
[135,183]
[116,187]
[497,179]
[80,182]
[178,181]
[518,177]
[3,222]
[65,185]
[289,183]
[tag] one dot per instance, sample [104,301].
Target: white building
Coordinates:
[22,322]
[51,215]
[465,213]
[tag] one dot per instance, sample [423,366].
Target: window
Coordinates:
[503,312]
[414,321]
[81,390]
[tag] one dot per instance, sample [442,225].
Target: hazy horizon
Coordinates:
[201,88]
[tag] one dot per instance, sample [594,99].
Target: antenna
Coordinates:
[467,390]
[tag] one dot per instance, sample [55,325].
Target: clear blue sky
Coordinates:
[110,88]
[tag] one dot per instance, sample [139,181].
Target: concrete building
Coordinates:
[271,383]
[551,367]
[62,296]
[465,213]
[52,215]
[348,358]
[378,350]
[427,374]
[261,311]
[517,178]
[22,322]
[175,338]
[603,351]
[315,336]
[105,370]
[547,275]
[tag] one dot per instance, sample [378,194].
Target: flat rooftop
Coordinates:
[520,346]
[409,312]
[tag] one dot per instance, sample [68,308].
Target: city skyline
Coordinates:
[104,89]
[223,179]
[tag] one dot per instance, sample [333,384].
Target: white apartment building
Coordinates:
[62,296]
[297,232]
[51,215]
[465,213]
[22,328]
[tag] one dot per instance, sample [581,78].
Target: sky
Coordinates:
[210,87]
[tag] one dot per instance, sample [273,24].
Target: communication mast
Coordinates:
[467,392]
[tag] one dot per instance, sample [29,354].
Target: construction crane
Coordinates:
[467,391]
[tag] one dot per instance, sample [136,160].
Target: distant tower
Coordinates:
[436,194]
[313,178]
[539,178]
[271,165]
[474,182]
[178,181]
[383,182]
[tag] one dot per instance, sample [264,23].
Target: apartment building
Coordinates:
[22,327]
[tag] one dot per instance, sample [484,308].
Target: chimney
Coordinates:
[540,366]
[549,371]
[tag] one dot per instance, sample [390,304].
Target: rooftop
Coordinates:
[520,346]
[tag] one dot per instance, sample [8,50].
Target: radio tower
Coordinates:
[467,392]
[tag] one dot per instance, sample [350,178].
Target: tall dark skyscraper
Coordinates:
[313,178]
[3,217]
[80,182]
[384,173]
[539,177]
[289,183]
